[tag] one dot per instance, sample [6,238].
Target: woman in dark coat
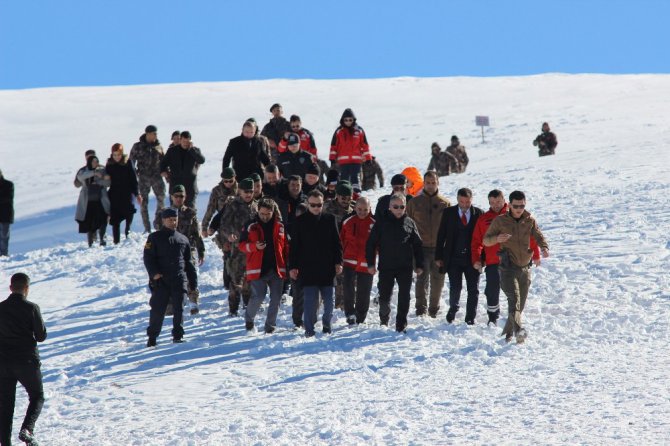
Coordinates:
[123,188]
[93,205]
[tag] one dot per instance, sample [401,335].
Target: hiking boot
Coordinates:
[248,326]
[309,334]
[401,328]
[451,314]
[420,313]
[521,336]
[470,321]
[327,330]
[494,323]
[151,342]
[351,320]
[194,308]
[27,437]
[269,330]
[178,340]
[384,322]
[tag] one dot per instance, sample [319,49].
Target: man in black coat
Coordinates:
[167,258]
[6,213]
[397,239]
[452,253]
[180,166]
[247,152]
[21,328]
[315,258]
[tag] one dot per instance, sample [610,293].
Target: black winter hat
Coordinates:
[89,152]
[313,169]
[454,138]
[176,133]
[398,180]
[332,176]
[185,134]
[169,213]
[150,129]
[275,105]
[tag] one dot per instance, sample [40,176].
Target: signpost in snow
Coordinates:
[482,121]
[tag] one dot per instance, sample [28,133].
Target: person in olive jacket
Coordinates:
[21,328]
[397,240]
[180,166]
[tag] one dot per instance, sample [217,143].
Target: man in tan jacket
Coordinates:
[426,211]
[513,231]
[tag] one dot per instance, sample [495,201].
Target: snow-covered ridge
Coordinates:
[594,369]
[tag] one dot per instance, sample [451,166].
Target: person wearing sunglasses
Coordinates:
[226,188]
[513,232]
[453,255]
[349,149]
[396,238]
[180,166]
[315,258]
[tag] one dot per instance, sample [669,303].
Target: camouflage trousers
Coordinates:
[515,282]
[239,288]
[146,183]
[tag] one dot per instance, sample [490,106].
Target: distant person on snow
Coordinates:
[440,161]
[146,156]
[180,166]
[370,171]
[275,129]
[122,189]
[6,213]
[349,149]
[21,328]
[93,206]
[513,231]
[546,141]
[460,157]
[167,258]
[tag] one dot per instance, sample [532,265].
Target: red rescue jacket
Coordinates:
[349,147]
[490,253]
[354,235]
[254,233]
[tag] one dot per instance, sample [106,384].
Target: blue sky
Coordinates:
[46,43]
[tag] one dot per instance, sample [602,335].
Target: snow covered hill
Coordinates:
[595,368]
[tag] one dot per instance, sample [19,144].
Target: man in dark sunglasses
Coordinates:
[513,232]
[397,240]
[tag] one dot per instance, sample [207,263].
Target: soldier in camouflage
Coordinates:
[217,200]
[340,207]
[372,169]
[187,224]
[440,161]
[236,214]
[146,156]
[461,160]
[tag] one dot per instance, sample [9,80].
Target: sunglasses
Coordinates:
[316,205]
[398,206]
[519,206]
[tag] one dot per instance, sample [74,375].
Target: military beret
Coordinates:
[178,188]
[169,213]
[150,129]
[247,184]
[228,173]
[344,188]
[254,176]
[398,180]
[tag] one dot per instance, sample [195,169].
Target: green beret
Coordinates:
[228,173]
[344,188]
[178,188]
[254,176]
[246,184]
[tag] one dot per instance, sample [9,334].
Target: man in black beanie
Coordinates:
[399,186]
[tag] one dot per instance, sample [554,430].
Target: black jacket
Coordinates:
[290,163]
[123,187]
[168,252]
[315,249]
[21,328]
[183,167]
[398,243]
[446,236]
[247,155]
[6,201]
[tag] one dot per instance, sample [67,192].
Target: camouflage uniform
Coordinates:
[370,170]
[147,161]
[333,207]
[187,224]
[217,200]
[236,215]
[460,161]
[441,163]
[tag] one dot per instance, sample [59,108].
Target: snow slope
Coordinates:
[594,370]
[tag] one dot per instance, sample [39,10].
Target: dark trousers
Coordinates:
[357,287]
[457,269]
[29,375]
[4,239]
[116,229]
[298,296]
[162,294]
[385,285]
[492,291]
[311,294]
[351,173]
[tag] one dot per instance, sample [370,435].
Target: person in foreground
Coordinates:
[21,328]
[513,231]
[167,258]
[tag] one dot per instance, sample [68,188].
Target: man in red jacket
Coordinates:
[264,243]
[357,278]
[349,149]
[483,255]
